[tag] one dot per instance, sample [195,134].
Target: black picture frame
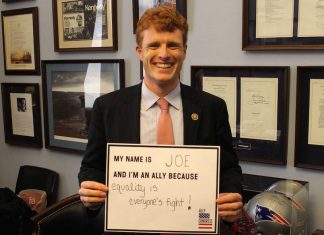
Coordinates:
[76,24]
[181,6]
[69,90]
[270,150]
[22,114]
[20,38]
[292,36]
[309,140]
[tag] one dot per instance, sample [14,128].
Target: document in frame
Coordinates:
[225,88]
[274,18]
[259,108]
[316,112]
[311,18]
[161,188]
[19,41]
[22,114]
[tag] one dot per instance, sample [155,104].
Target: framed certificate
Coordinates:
[283,25]
[309,143]
[142,180]
[85,25]
[139,6]
[21,114]
[70,88]
[257,102]
[21,41]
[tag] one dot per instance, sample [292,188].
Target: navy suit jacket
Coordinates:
[116,119]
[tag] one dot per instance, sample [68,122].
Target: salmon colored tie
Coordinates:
[164,129]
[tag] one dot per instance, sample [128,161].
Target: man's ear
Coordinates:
[139,52]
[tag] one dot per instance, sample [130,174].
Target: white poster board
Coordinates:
[160,188]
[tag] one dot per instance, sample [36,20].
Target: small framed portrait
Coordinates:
[21,114]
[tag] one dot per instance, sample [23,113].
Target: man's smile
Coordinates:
[163,65]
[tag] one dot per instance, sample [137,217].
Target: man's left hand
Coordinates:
[229,206]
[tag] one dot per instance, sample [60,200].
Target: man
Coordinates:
[130,115]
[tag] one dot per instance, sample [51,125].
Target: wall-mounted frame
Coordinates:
[283,25]
[257,103]
[85,25]
[309,142]
[69,90]
[21,41]
[139,6]
[21,114]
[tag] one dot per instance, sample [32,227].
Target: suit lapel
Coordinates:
[130,115]
[191,115]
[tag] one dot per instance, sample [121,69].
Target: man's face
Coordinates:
[162,54]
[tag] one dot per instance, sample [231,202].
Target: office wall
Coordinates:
[214,39]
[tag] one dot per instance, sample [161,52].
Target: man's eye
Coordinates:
[174,46]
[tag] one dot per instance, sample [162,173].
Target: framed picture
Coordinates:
[21,114]
[309,142]
[70,89]
[21,41]
[85,25]
[283,25]
[139,6]
[257,104]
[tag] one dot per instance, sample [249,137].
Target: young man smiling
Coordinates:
[130,115]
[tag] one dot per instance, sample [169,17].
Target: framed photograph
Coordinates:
[257,102]
[283,25]
[139,6]
[21,41]
[70,88]
[85,25]
[21,114]
[309,142]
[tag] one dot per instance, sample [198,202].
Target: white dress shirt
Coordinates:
[150,112]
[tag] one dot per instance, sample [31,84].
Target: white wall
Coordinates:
[214,39]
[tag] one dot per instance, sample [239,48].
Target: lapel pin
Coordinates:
[194,116]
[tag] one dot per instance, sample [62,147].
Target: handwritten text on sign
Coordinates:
[162,188]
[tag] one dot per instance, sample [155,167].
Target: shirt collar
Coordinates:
[149,98]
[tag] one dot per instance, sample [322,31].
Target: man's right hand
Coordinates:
[92,194]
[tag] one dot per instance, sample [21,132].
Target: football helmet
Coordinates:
[298,195]
[272,213]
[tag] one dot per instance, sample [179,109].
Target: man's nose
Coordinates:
[164,52]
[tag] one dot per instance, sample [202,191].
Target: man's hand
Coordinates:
[229,206]
[93,194]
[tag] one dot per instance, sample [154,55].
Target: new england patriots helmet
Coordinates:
[272,213]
